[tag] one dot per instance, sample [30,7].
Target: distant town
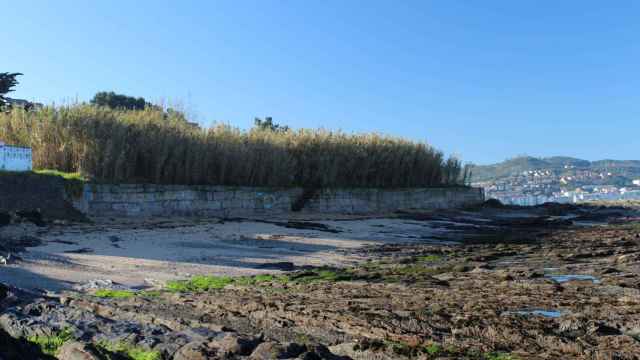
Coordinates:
[565,184]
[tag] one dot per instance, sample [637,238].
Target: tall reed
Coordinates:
[152,146]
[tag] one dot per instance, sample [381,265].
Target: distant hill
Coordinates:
[625,168]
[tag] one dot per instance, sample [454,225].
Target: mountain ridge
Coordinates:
[561,164]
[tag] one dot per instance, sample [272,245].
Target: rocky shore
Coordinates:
[552,282]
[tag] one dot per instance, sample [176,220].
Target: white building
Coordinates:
[14,158]
[636,182]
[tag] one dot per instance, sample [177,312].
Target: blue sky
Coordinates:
[486,80]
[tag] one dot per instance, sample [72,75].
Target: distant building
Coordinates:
[15,158]
[24,104]
[636,182]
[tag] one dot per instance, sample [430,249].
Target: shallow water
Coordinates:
[571,277]
[537,312]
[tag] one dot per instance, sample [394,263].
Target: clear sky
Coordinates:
[486,80]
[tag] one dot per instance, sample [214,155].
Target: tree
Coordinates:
[119,101]
[268,124]
[7,82]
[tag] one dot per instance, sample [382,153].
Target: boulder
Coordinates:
[196,350]
[233,344]
[271,350]
[74,350]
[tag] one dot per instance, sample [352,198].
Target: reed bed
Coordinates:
[151,146]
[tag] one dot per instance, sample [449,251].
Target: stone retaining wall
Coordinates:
[169,200]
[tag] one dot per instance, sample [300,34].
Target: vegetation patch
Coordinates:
[324,275]
[202,283]
[372,271]
[199,283]
[129,351]
[71,176]
[52,343]
[432,350]
[423,270]
[73,181]
[114,294]
[125,294]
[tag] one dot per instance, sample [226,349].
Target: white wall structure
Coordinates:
[15,158]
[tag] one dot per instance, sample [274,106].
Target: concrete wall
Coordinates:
[13,158]
[169,200]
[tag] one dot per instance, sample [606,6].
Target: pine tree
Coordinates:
[7,82]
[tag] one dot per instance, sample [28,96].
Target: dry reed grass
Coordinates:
[152,146]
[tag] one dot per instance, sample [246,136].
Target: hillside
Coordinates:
[624,168]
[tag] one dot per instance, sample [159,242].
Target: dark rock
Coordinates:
[65,242]
[84,250]
[169,348]
[283,266]
[28,191]
[609,271]
[310,356]
[539,221]
[535,274]
[29,241]
[17,349]
[33,216]
[493,204]
[321,352]
[294,349]
[603,330]
[304,225]
[557,209]
[505,276]
[271,350]
[5,218]
[4,291]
